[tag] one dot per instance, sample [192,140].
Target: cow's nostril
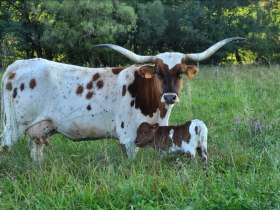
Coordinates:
[136,141]
[170,98]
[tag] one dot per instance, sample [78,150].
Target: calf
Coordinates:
[186,138]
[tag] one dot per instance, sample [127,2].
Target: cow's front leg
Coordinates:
[128,147]
[127,135]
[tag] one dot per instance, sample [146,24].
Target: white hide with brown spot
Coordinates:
[56,105]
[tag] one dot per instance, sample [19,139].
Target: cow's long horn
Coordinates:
[211,50]
[129,54]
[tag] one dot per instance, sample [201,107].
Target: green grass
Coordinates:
[241,107]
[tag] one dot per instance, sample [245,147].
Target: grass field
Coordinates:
[241,107]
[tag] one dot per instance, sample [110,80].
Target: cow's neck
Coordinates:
[146,96]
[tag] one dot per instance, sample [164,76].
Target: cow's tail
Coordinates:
[9,133]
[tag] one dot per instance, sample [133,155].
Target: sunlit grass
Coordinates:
[240,106]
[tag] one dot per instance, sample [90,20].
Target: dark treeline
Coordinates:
[66,30]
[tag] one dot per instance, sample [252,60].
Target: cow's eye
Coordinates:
[179,74]
[159,73]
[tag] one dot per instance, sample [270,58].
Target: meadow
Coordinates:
[240,106]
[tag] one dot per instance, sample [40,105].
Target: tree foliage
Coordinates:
[66,30]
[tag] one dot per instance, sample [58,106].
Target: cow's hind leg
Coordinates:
[39,135]
[9,137]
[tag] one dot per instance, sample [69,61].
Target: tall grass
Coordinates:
[241,107]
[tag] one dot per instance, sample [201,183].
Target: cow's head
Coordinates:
[169,79]
[146,134]
[169,67]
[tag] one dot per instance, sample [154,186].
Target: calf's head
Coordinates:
[146,134]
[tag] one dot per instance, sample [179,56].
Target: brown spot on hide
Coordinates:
[15,93]
[196,130]
[21,86]
[95,77]
[100,84]
[146,94]
[123,90]
[80,89]
[122,125]
[132,103]
[89,85]
[9,86]
[12,75]
[32,83]
[88,107]
[117,70]
[162,110]
[89,95]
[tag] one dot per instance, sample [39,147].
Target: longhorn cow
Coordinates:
[41,97]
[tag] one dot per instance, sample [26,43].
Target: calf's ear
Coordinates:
[191,71]
[155,126]
[147,71]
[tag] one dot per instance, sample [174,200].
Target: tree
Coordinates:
[73,28]
[20,21]
[151,26]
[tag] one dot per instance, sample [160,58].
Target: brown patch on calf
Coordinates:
[89,95]
[88,107]
[89,85]
[122,125]
[32,83]
[21,86]
[12,75]
[80,90]
[9,86]
[123,90]
[15,93]
[100,84]
[158,136]
[95,77]
[117,70]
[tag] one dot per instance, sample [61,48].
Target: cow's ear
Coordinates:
[191,71]
[147,71]
[155,126]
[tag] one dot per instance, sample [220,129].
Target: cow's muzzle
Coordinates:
[169,98]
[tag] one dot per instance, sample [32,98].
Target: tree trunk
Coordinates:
[237,56]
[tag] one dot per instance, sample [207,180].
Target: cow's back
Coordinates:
[78,101]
